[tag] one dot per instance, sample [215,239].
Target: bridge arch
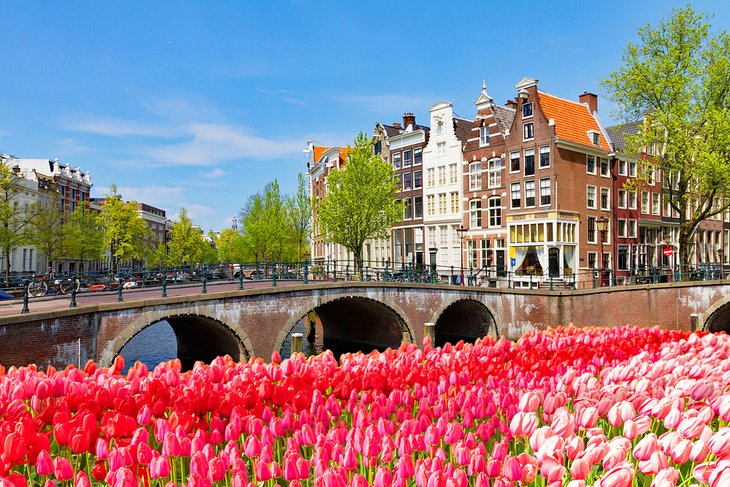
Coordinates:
[717,316]
[464,319]
[392,326]
[199,336]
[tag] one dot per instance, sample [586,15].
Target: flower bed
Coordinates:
[568,406]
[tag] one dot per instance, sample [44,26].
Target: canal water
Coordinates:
[157,343]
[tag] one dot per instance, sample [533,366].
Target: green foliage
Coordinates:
[14,217]
[126,233]
[84,235]
[678,80]
[267,234]
[186,244]
[299,214]
[361,199]
[46,231]
[231,246]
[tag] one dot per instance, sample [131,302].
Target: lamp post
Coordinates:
[602,225]
[461,231]
[306,267]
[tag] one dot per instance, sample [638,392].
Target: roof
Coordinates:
[318,151]
[462,128]
[618,134]
[393,131]
[572,120]
[504,116]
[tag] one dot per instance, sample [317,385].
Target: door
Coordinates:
[501,268]
[554,262]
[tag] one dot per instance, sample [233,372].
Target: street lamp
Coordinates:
[307,255]
[602,225]
[461,230]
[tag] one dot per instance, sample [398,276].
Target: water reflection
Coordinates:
[155,344]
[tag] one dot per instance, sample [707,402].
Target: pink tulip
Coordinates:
[645,447]
[621,475]
[82,480]
[44,464]
[720,443]
[529,402]
[720,477]
[587,417]
[666,478]
[524,423]
[511,469]
[580,468]
[703,471]
[62,469]
[654,464]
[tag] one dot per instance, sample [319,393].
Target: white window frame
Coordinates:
[631,228]
[396,158]
[547,193]
[493,210]
[656,203]
[410,161]
[417,150]
[588,197]
[590,157]
[529,153]
[601,160]
[519,162]
[483,135]
[622,168]
[494,174]
[620,199]
[512,199]
[531,189]
[645,203]
[607,192]
[527,104]
[632,169]
[475,213]
[622,232]
[475,176]
[632,199]
[524,131]
[545,149]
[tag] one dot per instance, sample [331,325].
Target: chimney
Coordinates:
[511,103]
[396,125]
[409,119]
[591,100]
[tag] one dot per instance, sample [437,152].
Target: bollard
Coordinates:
[164,286]
[273,280]
[26,285]
[306,273]
[240,279]
[429,330]
[693,321]
[73,292]
[296,343]
[119,291]
[205,284]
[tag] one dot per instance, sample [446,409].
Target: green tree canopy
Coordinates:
[677,80]
[125,231]
[14,216]
[46,230]
[361,199]
[299,214]
[186,244]
[265,226]
[84,235]
[230,245]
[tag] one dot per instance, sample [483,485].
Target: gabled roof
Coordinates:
[504,116]
[618,134]
[318,151]
[573,120]
[392,131]
[462,128]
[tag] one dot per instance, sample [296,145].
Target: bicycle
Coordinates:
[41,285]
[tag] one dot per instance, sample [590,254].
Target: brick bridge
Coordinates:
[255,322]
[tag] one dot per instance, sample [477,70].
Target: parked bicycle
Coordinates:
[61,285]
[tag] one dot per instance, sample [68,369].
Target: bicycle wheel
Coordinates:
[66,286]
[37,289]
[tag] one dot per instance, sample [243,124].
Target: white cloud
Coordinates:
[163,197]
[378,102]
[123,128]
[296,101]
[214,174]
[4,133]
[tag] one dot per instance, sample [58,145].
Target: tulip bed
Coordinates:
[567,406]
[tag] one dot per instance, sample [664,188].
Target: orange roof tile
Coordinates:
[318,151]
[572,120]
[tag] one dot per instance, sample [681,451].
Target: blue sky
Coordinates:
[200,104]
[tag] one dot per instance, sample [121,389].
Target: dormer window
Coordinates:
[595,137]
[526,110]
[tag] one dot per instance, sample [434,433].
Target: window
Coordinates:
[591,232]
[407,181]
[407,158]
[622,168]
[622,198]
[495,173]
[516,196]
[605,170]
[591,197]
[418,207]
[590,164]
[526,110]
[632,169]
[545,192]
[514,162]
[441,148]
[417,179]
[528,131]
[475,176]
[529,162]
[407,209]
[442,203]
[529,193]
[605,199]
[475,214]
[621,228]
[645,202]
[596,138]
[632,200]
[443,237]
[623,258]
[396,160]
[453,174]
[417,156]
[631,228]
[378,149]
[591,260]
[655,204]
[650,175]
[442,175]
[455,203]
[439,127]
[545,156]
[484,135]
[430,205]
[495,212]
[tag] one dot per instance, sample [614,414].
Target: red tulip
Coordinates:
[62,469]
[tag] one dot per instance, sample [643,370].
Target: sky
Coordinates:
[200,104]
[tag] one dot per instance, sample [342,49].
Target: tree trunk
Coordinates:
[686,232]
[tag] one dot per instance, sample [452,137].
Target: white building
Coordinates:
[443,185]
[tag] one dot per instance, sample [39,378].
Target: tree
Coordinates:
[14,217]
[186,244]
[361,199]
[84,235]
[46,231]
[125,232]
[264,223]
[230,245]
[299,213]
[678,81]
